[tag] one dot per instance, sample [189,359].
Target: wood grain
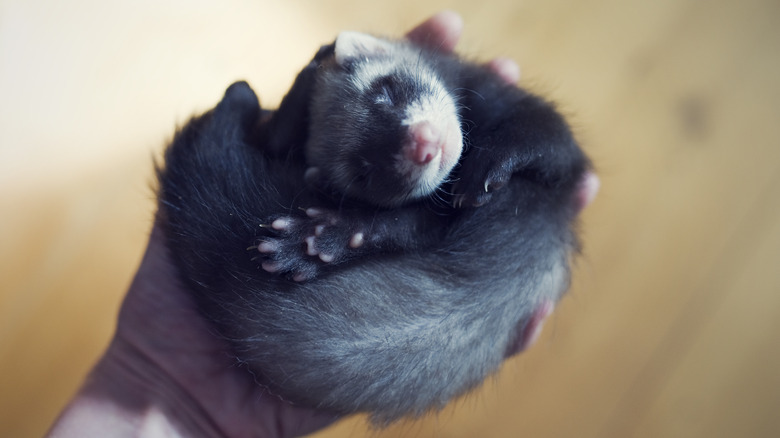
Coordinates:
[672,326]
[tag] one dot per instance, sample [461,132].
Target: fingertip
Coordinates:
[450,21]
[506,68]
[588,189]
[441,31]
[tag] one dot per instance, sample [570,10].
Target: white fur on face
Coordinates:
[371,69]
[376,58]
[359,45]
[438,109]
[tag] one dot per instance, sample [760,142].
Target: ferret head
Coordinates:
[384,127]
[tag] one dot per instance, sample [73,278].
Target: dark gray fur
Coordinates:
[401,328]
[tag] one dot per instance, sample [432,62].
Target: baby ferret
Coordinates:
[399,226]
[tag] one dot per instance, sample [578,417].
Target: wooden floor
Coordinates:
[672,328]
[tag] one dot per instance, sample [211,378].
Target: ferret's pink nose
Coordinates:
[425,142]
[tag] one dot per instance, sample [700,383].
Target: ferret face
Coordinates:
[384,127]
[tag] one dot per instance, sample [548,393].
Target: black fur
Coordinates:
[437,295]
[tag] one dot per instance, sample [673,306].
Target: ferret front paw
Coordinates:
[479,177]
[301,247]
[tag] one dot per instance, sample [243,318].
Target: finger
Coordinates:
[441,31]
[507,69]
[587,189]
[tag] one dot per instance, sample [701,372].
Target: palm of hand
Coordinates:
[159,325]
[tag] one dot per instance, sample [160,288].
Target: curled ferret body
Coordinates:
[444,286]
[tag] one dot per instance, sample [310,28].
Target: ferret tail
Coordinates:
[213,187]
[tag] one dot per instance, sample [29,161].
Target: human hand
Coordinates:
[443,30]
[166,372]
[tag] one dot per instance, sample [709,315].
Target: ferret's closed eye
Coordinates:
[383,97]
[384,91]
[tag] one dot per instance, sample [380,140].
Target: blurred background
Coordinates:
[672,327]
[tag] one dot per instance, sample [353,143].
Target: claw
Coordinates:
[495,185]
[457,201]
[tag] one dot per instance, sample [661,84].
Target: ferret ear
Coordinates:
[350,45]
